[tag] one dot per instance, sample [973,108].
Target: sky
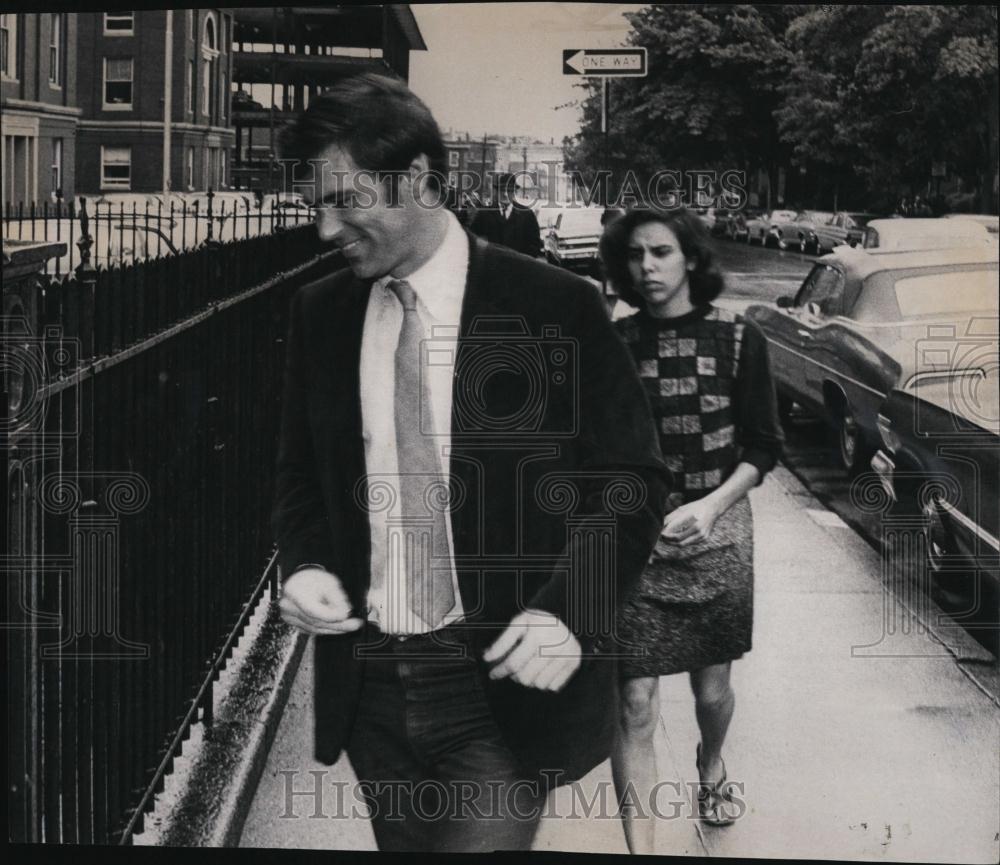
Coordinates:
[497,67]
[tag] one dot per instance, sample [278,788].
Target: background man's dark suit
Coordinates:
[594,420]
[519,231]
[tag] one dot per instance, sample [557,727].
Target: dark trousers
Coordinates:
[431,764]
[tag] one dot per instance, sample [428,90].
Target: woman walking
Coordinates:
[709,384]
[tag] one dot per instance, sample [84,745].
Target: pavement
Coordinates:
[857,734]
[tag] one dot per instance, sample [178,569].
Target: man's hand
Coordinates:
[314,601]
[690,523]
[520,650]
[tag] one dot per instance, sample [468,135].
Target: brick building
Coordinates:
[466,154]
[121,86]
[38,103]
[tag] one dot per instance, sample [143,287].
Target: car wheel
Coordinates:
[782,243]
[855,452]
[803,245]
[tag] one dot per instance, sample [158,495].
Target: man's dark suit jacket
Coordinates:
[519,231]
[533,456]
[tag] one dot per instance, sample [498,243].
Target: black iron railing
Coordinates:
[126,229]
[141,439]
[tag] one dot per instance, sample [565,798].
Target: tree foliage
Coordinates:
[867,94]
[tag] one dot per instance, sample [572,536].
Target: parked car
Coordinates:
[845,229]
[708,217]
[800,231]
[759,228]
[990,221]
[921,233]
[736,222]
[546,217]
[572,240]
[862,323]
[940,457]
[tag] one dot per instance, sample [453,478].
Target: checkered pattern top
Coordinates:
[692,370]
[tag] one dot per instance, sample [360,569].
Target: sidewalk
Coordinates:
[887,753]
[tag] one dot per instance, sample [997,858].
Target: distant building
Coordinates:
[544,162]
[467,155]
[38,104]
[121,85]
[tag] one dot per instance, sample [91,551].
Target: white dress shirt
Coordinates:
[440,287]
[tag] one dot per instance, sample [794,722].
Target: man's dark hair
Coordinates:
[377,120]
[705,282]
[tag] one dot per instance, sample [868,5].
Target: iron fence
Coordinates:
[141,418]
[134,227]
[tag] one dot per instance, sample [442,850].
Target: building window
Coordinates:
[209,53]
[206,87]
[205,165]
[57,162]
[222,168]
[119,23]
[209,41]
[116,167]
[118,83]
[190,168]
[224,100]
[55,43]
[453,159]
[190,23]
[8,45]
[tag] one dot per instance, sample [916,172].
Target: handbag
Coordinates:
[703,570]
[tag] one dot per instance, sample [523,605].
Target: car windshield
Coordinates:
[861,219]
[783,216]
[945,293]
[584,221]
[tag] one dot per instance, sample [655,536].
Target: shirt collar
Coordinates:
[440,281]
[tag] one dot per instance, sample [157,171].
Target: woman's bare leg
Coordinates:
[633,760]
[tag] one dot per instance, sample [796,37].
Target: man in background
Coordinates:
[509,223]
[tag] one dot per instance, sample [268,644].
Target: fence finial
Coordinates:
[211,196]
[85,241]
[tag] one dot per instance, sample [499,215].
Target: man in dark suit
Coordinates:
[468,479]
[509,223]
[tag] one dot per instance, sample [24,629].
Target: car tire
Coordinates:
[803,245]
[854,451]
[781,243]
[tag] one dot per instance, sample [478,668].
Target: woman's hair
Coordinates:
[377,120]
[705,282]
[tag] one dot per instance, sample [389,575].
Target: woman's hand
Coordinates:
[692,522]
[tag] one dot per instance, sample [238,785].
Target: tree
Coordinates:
[883,92]
[709,97]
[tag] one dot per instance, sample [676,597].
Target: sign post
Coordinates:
[605,63]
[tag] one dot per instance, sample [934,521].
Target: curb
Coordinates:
[214,805]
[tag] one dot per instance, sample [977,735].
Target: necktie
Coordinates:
[422,490]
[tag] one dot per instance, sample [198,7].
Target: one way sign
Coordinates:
[604,61]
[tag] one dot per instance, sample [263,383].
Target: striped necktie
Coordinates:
[423,543]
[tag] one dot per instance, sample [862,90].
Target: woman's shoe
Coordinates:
[713,799]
